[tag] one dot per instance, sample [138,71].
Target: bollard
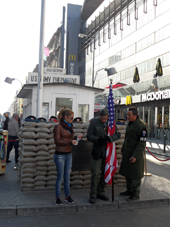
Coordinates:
[164,142]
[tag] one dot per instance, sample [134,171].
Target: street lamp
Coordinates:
[82,36]
[110,71]
[9,80]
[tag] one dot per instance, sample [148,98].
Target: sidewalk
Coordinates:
[156,146]
[155,191]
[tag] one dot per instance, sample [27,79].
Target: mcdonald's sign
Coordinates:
[128,100]
[72,57]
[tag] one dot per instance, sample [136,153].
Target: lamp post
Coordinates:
[82,36]
[110,71]
[9,80]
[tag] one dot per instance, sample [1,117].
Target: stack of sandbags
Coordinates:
[27,154]
[80,179]
[80,128]
[35,138]
[42,155]
[51,167]
[120,180]
[37,170]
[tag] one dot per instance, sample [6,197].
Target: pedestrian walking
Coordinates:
[132,165]
[63,137]
[6,115]
[97,134]
[13,135]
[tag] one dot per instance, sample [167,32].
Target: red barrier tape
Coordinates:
[12,140]
[156,157]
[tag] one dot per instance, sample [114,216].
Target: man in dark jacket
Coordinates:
[132,166]
[6,115]
[97,133]
[13,134]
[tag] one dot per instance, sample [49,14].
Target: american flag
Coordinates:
[111,164]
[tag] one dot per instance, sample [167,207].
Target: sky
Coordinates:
[20,36]
[19,39]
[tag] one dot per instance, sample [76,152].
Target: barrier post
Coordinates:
[146,173]
[164,143]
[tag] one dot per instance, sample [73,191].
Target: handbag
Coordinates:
[97,152]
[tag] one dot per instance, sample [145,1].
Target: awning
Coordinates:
[117,85]
[96,110]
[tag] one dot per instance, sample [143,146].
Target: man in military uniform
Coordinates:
[132,166]
[97,133]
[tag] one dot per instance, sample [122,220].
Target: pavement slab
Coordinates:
[155,191]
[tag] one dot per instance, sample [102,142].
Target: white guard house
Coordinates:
[59,90]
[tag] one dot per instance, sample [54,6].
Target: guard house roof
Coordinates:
[88,8]
[26,91]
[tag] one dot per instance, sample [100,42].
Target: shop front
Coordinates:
[155,112]
[153,104]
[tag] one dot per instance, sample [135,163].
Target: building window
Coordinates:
[45,110]
[62,103]
[115,58]
[84,112]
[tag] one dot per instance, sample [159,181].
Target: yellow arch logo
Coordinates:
[128,100]
[72,57]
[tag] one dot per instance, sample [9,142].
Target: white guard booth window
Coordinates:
[62,103]
[84,112]
[45,110]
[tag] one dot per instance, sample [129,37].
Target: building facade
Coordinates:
[127,35]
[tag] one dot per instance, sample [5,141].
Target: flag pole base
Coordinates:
[147,174]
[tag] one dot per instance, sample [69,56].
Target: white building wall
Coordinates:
[157,18]
[79,95]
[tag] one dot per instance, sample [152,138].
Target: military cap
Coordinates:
[103,112]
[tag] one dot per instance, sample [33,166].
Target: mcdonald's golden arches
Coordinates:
[128,100]
[72,57]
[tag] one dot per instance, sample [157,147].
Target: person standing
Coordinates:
[132,165]
[63,137]
[6,115]
[97,134]
[13,135]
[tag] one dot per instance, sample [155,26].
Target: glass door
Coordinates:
[159,123]
[62,103]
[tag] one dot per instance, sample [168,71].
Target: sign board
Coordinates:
[72,64]
[53,78]
[155,96]
[55,70]
[99,106]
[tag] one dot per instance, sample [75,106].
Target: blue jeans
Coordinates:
[63,164]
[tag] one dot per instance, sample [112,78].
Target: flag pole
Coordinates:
[113,175]
[41,63]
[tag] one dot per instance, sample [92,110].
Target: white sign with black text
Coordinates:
[49,78]
[155,96]
[55,70]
